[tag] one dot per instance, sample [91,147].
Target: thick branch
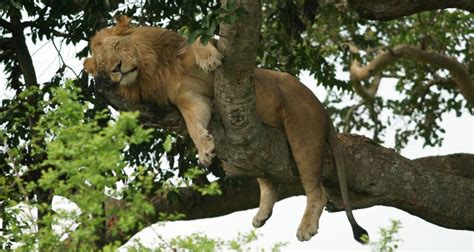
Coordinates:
[151,116]
[457,70]
[21,51]
[240,137]
[234,86]
[437,189]
[393,9]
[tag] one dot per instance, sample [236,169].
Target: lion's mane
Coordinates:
[158,55]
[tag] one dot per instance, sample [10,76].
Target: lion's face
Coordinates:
[116,56]
[145,62]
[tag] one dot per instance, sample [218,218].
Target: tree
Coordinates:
[433,68]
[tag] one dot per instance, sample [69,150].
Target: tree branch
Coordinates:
[7,25]
[234,86]
[437,189]
[152,116]
[457,70]
[21,50]
[393,9]
[239,135]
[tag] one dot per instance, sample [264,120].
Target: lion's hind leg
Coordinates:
[307,138]
[268,197]
[208,58]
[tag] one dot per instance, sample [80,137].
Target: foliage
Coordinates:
[388,241]
[227,14]
[84,164]
[201,242]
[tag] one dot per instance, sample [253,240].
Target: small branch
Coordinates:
[347,118]
[62,60]
[395,76]
[457,70]
[374,85]
[60,34]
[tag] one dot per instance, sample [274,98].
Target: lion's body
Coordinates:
[156,65]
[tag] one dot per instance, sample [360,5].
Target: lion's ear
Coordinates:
[90,66]
[122,27]
[123,22]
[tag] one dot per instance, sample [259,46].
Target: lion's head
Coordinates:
[144,61]
[117,57]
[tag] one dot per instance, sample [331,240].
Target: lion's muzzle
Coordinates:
[124,75]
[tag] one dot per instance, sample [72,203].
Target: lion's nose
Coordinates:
[117,67]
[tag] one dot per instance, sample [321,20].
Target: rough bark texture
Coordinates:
[392,9]
[243,144]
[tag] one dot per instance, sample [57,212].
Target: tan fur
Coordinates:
[170,70]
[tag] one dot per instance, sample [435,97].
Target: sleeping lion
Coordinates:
[158,66]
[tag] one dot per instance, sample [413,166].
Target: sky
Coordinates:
[334,232]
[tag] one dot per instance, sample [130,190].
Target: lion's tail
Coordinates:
[360,234]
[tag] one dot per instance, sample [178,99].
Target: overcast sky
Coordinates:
[334,232]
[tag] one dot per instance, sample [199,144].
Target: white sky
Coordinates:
[334,233]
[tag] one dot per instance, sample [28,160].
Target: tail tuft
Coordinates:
[360,234]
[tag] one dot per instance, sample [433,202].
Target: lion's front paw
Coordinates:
[206,150]
[306,230]
[208,59]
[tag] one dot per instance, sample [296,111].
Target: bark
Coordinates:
[240,137]
[393,9]
[458,71]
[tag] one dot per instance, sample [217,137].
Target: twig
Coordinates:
[162,239]
[62,60]
[347,118]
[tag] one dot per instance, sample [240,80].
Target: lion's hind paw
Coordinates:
[306,231]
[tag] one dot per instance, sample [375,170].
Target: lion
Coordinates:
[155,65]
